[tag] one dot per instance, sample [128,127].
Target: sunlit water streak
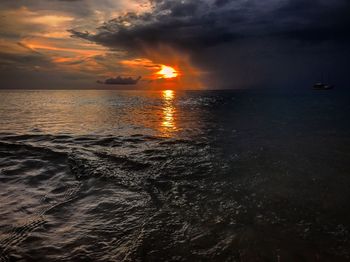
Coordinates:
[174,176]
[169,111]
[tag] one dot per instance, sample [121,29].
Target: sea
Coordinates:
[235,175]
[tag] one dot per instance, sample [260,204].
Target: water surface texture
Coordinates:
[174,176]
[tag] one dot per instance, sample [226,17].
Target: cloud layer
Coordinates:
[199,24]
[258,37]
[225,43]
[38,52]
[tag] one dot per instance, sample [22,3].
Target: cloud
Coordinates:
[256,37]
[228,43]
[119,80]
[21,56]
[88,14]
[199,23]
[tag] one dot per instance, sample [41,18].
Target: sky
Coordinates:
[173,44]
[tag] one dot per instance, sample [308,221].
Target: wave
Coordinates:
[129,198]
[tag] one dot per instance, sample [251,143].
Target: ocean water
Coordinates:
[174,176]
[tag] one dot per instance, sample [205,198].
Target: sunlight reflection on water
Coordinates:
[92,112]
[169,111]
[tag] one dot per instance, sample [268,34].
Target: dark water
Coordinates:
[174,176]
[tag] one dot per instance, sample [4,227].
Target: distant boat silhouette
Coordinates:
[322,86]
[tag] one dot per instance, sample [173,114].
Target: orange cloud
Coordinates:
[49,45]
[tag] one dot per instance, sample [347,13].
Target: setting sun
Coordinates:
[167,72]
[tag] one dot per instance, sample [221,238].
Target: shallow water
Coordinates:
[174,176]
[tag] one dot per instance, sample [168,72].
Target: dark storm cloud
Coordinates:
[187,24]
[221,2]
[240,43]
[198,24]
[314,21]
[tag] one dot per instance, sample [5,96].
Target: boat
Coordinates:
[322,86]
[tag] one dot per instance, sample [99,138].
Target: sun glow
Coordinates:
[167,72]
